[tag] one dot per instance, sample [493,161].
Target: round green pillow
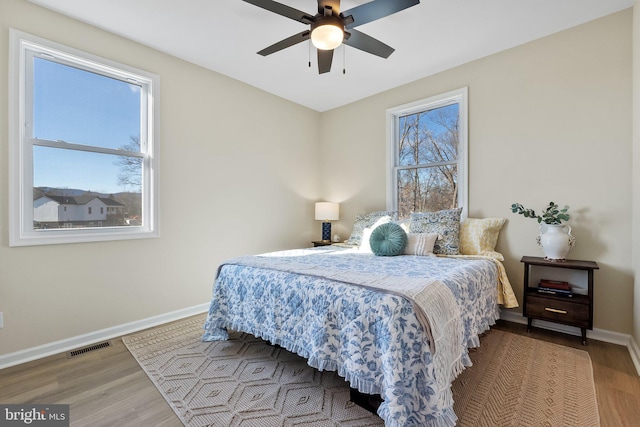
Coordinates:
[388,240]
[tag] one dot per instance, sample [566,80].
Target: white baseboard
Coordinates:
[23,356]
[596,334]
[634,351]
[56,347]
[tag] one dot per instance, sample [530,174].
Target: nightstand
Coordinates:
[322,243]
[576,310]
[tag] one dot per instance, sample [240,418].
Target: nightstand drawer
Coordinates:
[558,310]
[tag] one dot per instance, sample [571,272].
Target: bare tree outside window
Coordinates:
[130,180]
[427,146]
[427,173]
[130,175]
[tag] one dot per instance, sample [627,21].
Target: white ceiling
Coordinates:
[224,36]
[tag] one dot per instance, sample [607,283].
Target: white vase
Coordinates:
[556,241]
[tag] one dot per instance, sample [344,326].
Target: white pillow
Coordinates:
[405,224]
[420,243]
[365,246]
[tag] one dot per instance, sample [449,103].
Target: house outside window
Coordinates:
[83,135]
[427,154]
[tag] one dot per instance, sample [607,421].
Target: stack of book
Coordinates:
[555,287]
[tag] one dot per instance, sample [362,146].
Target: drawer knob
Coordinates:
[555,310]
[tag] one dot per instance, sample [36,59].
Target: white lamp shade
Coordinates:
[327,211]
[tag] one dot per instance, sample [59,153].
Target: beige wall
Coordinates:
[236,178]
[549,120]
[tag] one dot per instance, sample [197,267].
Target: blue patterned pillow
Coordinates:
[388,240]
[446,223]
[367,220]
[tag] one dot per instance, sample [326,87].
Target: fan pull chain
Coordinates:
[344,59]
[309,53]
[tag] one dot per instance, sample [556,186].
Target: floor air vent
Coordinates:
[84,350]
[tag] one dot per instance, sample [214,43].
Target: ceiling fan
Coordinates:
[328,27]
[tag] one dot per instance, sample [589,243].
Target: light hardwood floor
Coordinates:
[107,387]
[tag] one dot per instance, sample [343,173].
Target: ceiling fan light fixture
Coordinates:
[327,35]
[328,27]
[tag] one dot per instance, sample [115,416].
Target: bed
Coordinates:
[397,326]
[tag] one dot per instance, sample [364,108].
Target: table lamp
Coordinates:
[325,212]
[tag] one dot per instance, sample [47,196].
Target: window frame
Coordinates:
[24,47]
[457,96]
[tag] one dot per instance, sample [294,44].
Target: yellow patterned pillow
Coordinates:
[479,236]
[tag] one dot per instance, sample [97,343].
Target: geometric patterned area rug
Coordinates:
[515,381]
[241,382]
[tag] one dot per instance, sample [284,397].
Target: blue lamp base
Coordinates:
[326,231]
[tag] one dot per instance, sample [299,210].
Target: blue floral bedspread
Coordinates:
[371,338]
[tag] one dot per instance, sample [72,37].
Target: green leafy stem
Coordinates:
[551,215]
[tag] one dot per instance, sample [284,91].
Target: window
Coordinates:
[427,154]
[83,135]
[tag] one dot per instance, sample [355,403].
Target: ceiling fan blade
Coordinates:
[325,57]
[368,44]
[376,9]
[283,44]
[283,10]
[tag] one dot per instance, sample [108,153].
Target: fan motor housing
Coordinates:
[321,21]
